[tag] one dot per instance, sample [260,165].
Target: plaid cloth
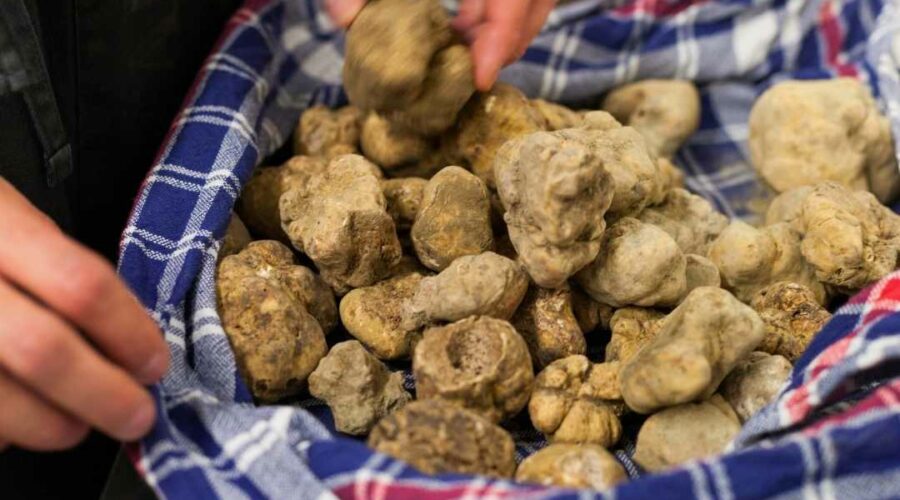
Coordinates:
[834,431]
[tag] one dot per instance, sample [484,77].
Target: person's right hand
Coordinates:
[75,344]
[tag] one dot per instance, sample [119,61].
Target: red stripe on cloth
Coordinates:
[833,35]
[886,396]
[657,8]
[397,489]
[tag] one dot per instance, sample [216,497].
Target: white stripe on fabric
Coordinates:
[698,481]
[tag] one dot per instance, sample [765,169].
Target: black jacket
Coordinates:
[117,71]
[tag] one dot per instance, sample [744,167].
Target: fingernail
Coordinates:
[341,12]
[155,368]
[140,423]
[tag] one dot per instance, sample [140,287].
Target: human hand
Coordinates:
[498,31]
[57,383]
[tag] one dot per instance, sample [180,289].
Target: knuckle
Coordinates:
[40,353]
[89,282]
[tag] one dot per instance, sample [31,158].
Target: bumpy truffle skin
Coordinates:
[807,132]
[697,345]
[276,341]
[328,133]
[750,259]
[665,112]
[340,221]
[404,198]
[258,204]
[402,61]
[236,237]
[755,382]
[674,176]
[358,388]
[639,264]
[576,401]
[687,432]
[849,238]
[688,218]
[389,147]
[792,317]
[488,121]
[572,466]
[787,206]
[484,285]
[546,321]
[374,315]
[556,116]
[555,192]
[632,329]
[454,219]
[701,271]
[438,437]
[479,363]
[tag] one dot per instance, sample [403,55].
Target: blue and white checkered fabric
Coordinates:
[277,57]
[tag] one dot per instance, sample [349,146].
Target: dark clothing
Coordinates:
[81,119]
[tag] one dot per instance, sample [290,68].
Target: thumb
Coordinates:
[342,12]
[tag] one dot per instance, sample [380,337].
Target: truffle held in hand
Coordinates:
[438,437]
[358,388]
[576,401]
[340,221]
[572,466]
[697,346]
[479,363]
[266,304]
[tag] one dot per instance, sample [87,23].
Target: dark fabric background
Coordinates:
[120,69]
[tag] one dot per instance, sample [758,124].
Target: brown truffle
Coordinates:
[792,317]
[328,133]
[546,321]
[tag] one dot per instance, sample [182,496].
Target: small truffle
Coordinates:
[277,342]
[438,437]
[576,401]
[689,219]
[389,147]
[475,285]
[590,314]
[478,363]
[697,346]
[632,329]
[374,314]
[358,388]
[792,317]
[454,219]
[755,382]
[340,221]
[686,432]
[404,198]
[236,237]
[572,466]
[546,321]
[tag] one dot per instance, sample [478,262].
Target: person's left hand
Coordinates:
[498,31]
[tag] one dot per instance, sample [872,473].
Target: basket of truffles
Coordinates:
[377,281]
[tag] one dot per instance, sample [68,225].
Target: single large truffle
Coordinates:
[807,132]
[555,192]
[697,346]
[358,388]
[340,220]
[479,363]
[438,437]
[268,306]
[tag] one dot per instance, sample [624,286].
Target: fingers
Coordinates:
[79,286]
[47,356]
[540,10]
[31,423]
[471,13]
[497,39]
[342,12]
